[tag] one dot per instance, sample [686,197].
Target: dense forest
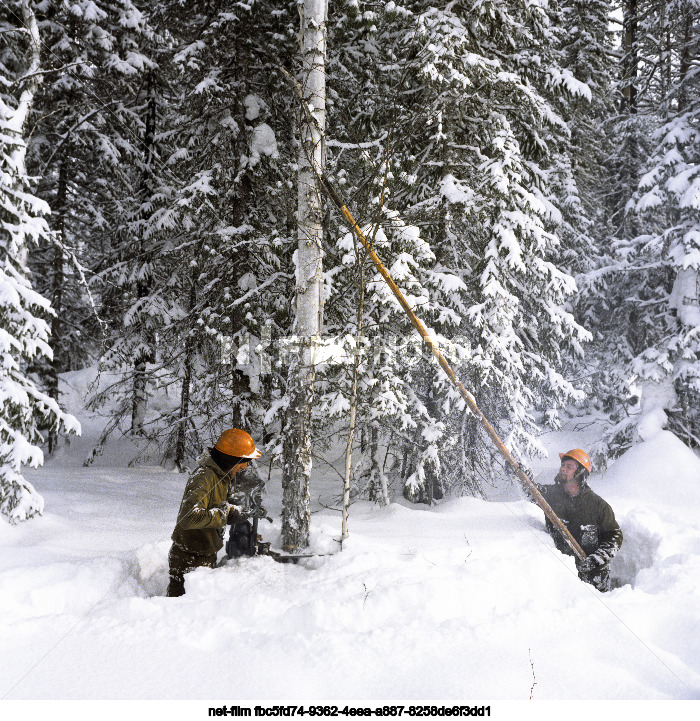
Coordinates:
[527,170]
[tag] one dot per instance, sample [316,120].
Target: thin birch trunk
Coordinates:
[353,396]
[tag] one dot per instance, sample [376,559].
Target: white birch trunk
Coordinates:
[309,281]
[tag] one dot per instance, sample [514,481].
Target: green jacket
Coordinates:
[588,517]
[204,511]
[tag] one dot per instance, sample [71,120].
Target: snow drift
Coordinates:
[466,600]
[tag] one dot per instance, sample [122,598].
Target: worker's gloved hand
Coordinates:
[223,510]
[590,563]
[235,515]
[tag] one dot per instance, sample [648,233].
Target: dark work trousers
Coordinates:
[181,562]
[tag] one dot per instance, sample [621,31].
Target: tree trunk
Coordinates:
[631,59]
[190,347]
[297,462]
[353,393]
[57,280]
[433,481]
[663,50]
[145,280]
[685,61]
[630,164]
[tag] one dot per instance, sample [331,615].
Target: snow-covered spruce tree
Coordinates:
[135,270]
[388,401]
[628,129]
[391,415]
[81,128]
[662,265]
[463,93]
[221,228]
[139,270]
[24,333]
[603,283]
[578,171]
[231,217]
[582,182]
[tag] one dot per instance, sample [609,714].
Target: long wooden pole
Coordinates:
[532,489]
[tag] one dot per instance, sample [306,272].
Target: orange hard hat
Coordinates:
[238,443]
[580,456]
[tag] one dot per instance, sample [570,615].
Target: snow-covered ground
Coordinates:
[464,602]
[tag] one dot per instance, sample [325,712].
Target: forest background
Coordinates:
[527,170]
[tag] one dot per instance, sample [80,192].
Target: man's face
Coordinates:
[568,469]
[240,467]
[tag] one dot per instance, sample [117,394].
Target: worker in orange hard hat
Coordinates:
[205,510]
[588,517]
[581,457]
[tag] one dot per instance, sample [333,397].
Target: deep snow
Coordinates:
[466,601]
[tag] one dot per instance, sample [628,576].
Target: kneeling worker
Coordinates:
[204,511]
[588,517]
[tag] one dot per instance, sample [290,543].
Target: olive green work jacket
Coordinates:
[590,520]
[203,511]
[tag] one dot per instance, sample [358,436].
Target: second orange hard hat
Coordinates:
[580,456]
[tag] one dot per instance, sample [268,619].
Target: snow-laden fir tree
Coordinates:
[584,182]
[396,434]
[389,409]
[226,255]
[24,333]
[577,169]
[661,266]
[463,99]
[219,230]
[78,148]
[614,163]
[134,278]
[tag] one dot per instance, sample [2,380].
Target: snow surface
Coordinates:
[463,602]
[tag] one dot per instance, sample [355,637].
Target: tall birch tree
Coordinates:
[309,279]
